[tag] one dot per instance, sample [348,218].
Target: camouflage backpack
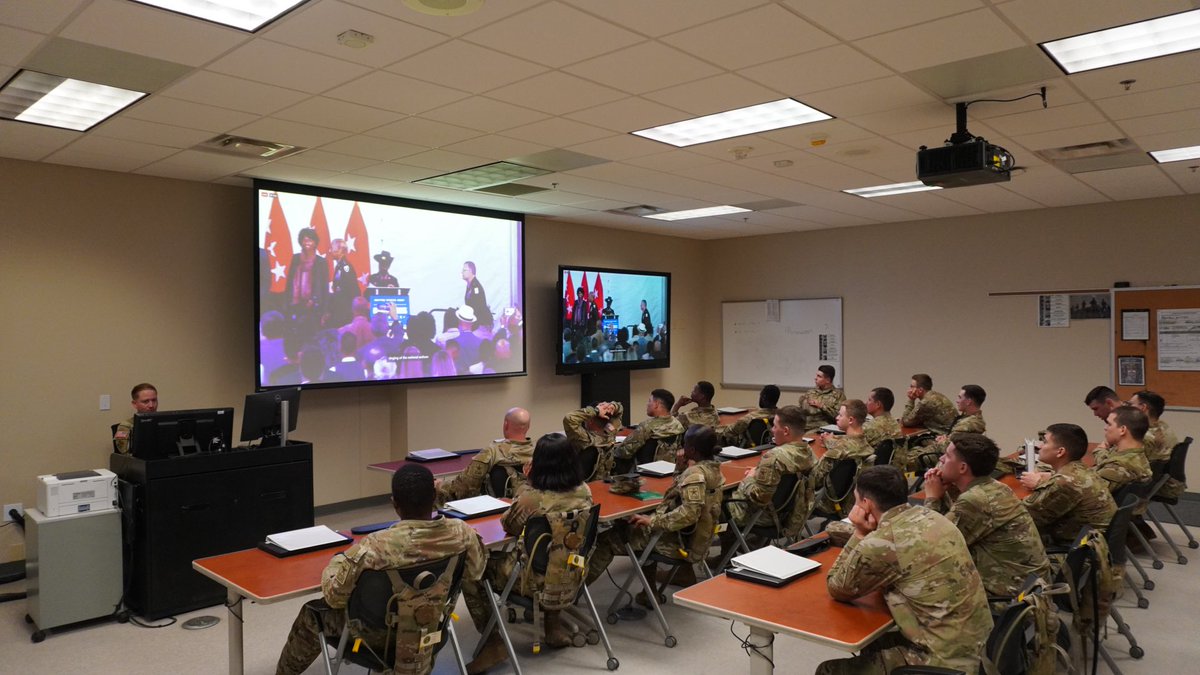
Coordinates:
[556,564]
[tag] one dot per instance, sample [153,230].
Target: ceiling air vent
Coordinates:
[641,210]
[248,147]
[1114,154]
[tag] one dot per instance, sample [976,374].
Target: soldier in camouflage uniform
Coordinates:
[919,560]
[555,486]
[927,408]
[512,452]
[595,427]
[417,538]
[704,412]
[1160,441]
[144,399]
[660,426]
[821,403]
[999,532]
[1071,495]
[882,425]
[791,455]
[736,433]
[853,446]
[970,418]
[1123,460]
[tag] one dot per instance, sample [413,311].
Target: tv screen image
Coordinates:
[366,289]
[613,319]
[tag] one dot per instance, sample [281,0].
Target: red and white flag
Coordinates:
[598,298]
[569,297]
[321,225]
[278,244]
[358,250]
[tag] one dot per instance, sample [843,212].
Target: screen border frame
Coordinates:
[561,368]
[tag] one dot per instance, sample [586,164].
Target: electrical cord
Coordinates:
[1041,93]
[753,649]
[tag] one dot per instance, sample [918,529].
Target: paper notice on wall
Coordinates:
[829,348]
[1179,339]
[1054,311]
[773,310]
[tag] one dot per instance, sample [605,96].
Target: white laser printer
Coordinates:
[63,494]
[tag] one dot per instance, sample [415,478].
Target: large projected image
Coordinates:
[613,319]
[355,289]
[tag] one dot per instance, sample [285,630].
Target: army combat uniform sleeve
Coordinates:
[1051,500]
[469,483]
[760,487]
[121,436]
[525,504]
[633,442]
[866,564]
[573,427]
[691,503]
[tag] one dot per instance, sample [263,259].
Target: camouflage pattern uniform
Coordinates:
[879,428]
[972,424]
[693,502]
[121,437]
[759,489]
[1122,467]
[999,532]
[575,426]
[736,432]
[921,564]
[1159,443]
[408,542]
[830,399]
[500,452]
[1067,500]
[653,429]
[527,503]
[706,415]
[934,412]
[838,448]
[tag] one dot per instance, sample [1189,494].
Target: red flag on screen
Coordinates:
[278,244]
[569,296]
[584,284]
[598,298]
[358,250]
[321,225]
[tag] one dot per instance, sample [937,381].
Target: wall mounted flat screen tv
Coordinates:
[357,289]
[610,319]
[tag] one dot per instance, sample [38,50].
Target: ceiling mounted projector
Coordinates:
[964,160]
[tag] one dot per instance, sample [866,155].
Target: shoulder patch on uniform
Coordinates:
[121,435]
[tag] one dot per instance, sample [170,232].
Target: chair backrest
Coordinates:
[588,458]
[884,451]
[1126,498]
[759,431]
[549,542]
[661,448]
[1176,465]
[840,483]
[499,483]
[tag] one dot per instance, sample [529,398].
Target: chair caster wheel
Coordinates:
[1182,560]
[1143,603]
[123,616]
[1149,585]
[1137,652]
[1194,544]
[593,637]
[613,664]
[578,640]
[1157,564]
[28,619]
[38,636]
[670,641]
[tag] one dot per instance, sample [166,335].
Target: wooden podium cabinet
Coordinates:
[183,508]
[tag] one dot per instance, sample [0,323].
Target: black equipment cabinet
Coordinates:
[183,508]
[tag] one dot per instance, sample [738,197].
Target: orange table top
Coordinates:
[801,609]
[439,467]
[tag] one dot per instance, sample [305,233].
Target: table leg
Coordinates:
[761,651]
[233,602]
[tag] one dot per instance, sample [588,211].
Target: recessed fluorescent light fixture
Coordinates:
[785,112]
[247,16]
[497,173]
[893,189]
[61,102]
[1176,154]
[1124,44]
[698,213]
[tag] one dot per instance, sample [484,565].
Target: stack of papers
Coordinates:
[775,562]
[430,455]
[306,538]
[472,507]
[659,468]
[734,452]
[729,410]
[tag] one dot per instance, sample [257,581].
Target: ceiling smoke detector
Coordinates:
[355,39]
[445,7]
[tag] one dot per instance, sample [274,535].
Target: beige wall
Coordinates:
[108,277]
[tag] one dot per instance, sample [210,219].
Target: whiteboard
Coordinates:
[758,348]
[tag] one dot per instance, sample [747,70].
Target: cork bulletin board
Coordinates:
[1156,341]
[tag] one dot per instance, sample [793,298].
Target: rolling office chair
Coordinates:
[759,431]
[780,513]
[589,458]
[1175,468]
[1138,492]
[411,605]
[839,487]
[502,481]
[885,451]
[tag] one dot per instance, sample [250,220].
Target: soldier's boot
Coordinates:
[684,576]
[493,654]
[557,635]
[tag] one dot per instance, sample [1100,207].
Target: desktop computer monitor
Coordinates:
[261,417]
[176,433]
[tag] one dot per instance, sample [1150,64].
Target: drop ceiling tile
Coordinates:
[1043,21]
[199,166]
[315,27]
[931,204]
[752,180]
[555,44]
[465,66]
[396,93]
[20,140]
[825,216]
[673,161]
[1025,68]
[1158,124]
[292,133]
[496,147]
[1139,182]
[373,148]
[129,26]
[1059,92]
[871,210]
[1092,133]
[1052,188]
[379,186]
[1153,102]
[331,161]
[232,92]
[644,67]
[557,132]
[833,175]
[167,110]
[486,114]
[1049,119]
[424,132]
[618,147]
[924,116]
[129,129]
[556,93]
[853,19]
[290,173]
[16,45]
[1185,175]
[868,97]
[953,38]
[43,16]
[396,172]
[832,132]
[280,64]
[989,198]
[490,12]
[1172,139]
[714,95]
[110,154]
[628,114]
[759,144]
[328,112]
[1160,73]
[441,161]
[755,36]
[821,69]
[662,16]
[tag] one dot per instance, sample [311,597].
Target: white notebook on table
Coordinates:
[660,468]
[775,562]
[307,537]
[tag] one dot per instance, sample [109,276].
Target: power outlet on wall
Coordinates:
[10,507]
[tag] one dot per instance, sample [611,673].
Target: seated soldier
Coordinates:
[1122,460]
[1070,495]
[919,560]
[555,486]
[660,426]
[791,455]
[595,427]
[999,532]
[970,416]
[704,412]
[512,452]
[852,445]
[927,408]
[144,399]
[821,403]
[418,537]
[736,433]
[1101,401]
[686,517]
[1160,441]
[882,425]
